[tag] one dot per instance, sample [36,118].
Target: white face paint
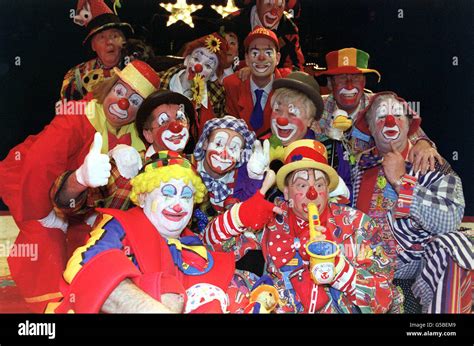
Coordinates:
[292,109]
[388,124]
[208,62]
[175,141]
[382,111]
[224,151]
[289,121]
[170,207]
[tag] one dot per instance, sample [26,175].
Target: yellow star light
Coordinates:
[180,11]
[224,11]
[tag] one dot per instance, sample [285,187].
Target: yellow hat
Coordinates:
[306,153]
[140,76]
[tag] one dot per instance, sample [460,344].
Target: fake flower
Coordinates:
[198,89]
[213,44]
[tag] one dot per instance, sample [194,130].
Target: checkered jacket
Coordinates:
[215,90]
[427,230]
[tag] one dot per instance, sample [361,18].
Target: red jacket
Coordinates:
[239,102]
[107,261]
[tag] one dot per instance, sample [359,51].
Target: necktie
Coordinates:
[124,139]
[256,119]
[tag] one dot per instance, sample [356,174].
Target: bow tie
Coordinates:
[219,189]
[191,257]
[114,141]
[282,246]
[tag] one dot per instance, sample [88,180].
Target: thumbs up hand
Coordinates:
[128,160]
[95,171]
[393,166]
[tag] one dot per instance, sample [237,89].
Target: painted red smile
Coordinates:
[174,216]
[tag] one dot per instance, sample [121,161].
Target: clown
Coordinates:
[296,108]
[346,80]
[166,121]
[145,259]
[361,283]
[163,121]
[106,37]
[74,147]
[221,154]
[198,78]
[233,60]
[250,99]
[270,15]
[419,214]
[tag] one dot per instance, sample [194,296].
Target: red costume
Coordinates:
[127,245]
[239,102]
[27,175]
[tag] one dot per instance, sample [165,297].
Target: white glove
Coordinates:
[128,160]
[340,190]
[259,161]
[95,171]
[52,220]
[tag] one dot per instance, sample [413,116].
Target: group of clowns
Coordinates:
[187,190]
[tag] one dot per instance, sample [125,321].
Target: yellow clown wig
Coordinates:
[168,165]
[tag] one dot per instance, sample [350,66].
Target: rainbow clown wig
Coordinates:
[167,165]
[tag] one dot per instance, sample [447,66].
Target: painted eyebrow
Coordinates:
[265,48]
[320,178]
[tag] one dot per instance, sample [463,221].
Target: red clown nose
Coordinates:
[312,194]
[282,121]
[123,104]
[175,127]
[390,121]
[198,68]
[177,208]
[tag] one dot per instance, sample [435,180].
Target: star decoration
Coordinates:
[224,11]
[180,11]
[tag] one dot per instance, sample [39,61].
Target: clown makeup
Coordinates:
[348,90]
[202,62]
[168,129]
[223,151]
[121,104]
[233,44]
[262,58]
[388,124]
[170,207]
[270,12]
[306,186]
[289,122]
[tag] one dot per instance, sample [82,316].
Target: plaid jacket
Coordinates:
[80,79]
[115,195]
[424,222]
[215,90]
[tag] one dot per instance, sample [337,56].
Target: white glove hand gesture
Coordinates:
[95,171]
[259,161]
[128,160]
[341,190]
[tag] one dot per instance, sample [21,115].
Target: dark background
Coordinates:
[414,55]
